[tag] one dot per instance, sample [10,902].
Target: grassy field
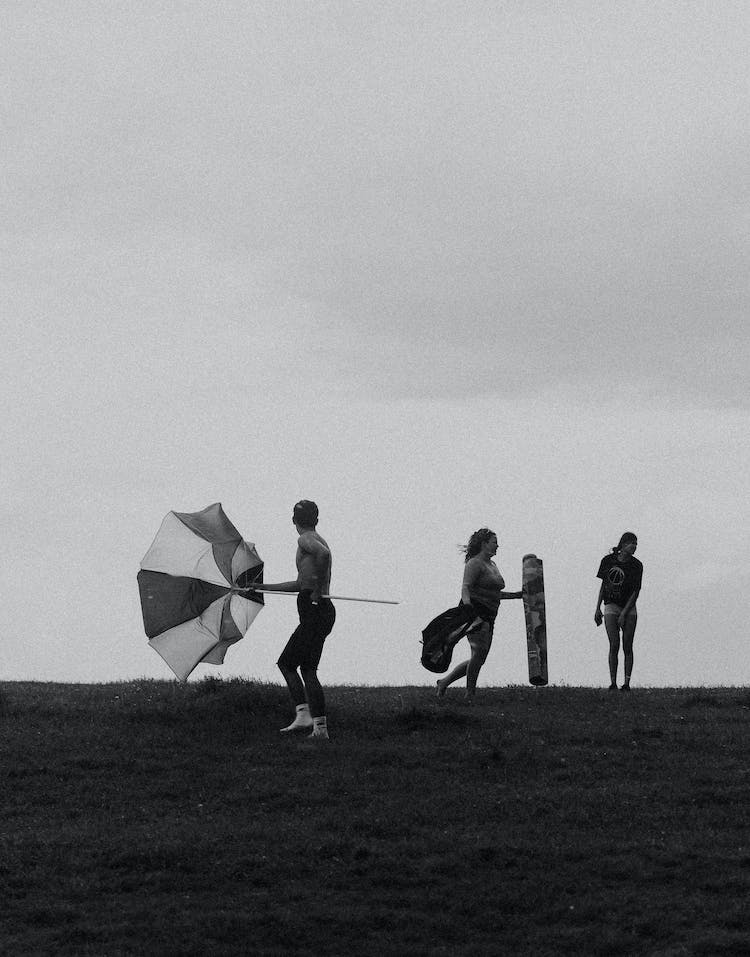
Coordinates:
[154,818]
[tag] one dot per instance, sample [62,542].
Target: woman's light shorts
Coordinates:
[612,609]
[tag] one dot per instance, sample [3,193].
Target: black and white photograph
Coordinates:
[375,449]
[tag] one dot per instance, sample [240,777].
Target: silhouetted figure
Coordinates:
[300,658]
[482,590]
[621,574]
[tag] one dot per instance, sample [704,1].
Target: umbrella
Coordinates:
[189,583]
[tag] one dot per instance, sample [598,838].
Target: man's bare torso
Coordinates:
[313,561]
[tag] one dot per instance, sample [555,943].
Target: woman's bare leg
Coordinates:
[480,642]
[613,633]
[628,634]
[478,658]
[458,672]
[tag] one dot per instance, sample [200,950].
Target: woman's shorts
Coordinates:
[612,609]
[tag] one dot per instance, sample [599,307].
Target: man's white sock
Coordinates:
[320,728]
[302,720]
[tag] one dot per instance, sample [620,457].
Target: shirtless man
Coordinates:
[316,618]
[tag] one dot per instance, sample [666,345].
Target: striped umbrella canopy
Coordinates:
[189,582]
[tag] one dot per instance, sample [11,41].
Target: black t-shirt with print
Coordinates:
[620,579]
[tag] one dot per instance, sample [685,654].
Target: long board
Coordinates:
[532,578]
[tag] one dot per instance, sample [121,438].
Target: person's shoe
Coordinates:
[612,687]
[626,686]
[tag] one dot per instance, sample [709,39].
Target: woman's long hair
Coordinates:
[474,545]
[624,539]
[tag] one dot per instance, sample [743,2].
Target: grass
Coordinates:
[155,818]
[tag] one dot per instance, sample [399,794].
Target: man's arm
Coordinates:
[281,586]
[510,594]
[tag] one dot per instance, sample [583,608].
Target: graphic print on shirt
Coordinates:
[615,580]
[619,581]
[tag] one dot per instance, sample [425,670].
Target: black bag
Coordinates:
[443,633]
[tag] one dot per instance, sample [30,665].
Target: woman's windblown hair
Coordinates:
[474,545]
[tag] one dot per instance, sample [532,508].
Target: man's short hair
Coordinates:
[306,513]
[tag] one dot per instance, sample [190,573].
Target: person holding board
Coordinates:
[621,574]
[482,590]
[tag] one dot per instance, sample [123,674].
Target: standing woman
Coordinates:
[621,574]
[482,590]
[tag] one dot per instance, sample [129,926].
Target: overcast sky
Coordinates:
[435,265]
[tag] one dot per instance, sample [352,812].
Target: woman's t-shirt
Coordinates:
[620,579]
[485,583]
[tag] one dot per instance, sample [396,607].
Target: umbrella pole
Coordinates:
[374,601]
[270,591]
